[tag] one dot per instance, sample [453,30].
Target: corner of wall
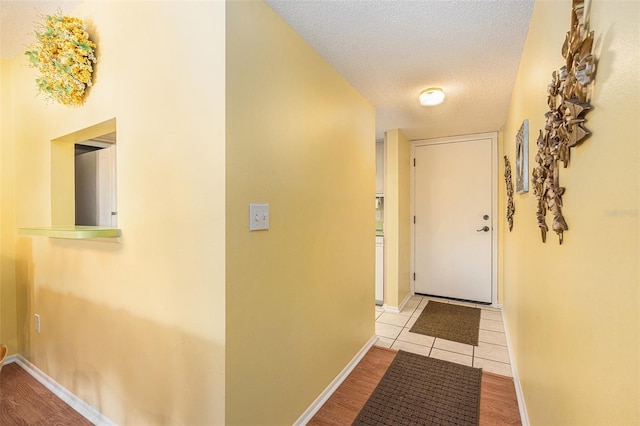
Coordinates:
[8,290]
[397,225]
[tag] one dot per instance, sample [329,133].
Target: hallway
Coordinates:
[498,401]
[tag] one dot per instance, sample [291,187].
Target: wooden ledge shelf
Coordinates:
[73,232]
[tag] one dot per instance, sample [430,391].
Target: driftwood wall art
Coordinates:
[568,100]
[511,207]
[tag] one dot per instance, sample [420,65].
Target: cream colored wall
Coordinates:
[136,328]
[8,317]
[300,296]
[397,221]
[573,310]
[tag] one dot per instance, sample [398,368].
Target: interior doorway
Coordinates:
[95,181]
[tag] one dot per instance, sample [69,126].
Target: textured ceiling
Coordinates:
[391,50]
[17,18]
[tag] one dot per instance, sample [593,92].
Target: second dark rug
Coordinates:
[449,321]
[417,390]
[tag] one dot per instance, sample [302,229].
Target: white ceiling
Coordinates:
[389,50]
[17,19]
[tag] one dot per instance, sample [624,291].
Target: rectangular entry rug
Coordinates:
[449,321]
[417,390]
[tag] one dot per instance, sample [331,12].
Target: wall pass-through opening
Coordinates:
[83,177]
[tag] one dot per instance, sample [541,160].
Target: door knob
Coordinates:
[483,229]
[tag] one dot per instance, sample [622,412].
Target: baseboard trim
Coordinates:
[524,416]
[324,396]
[87,411]
[399,309]
[9,359]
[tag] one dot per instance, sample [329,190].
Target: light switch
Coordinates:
[258,217]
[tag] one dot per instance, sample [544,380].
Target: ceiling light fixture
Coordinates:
[431,96]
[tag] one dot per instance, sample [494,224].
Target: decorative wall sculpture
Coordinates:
[522,158]
[568,100]
[511,207]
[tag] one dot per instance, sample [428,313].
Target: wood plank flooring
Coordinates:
[24,401]
[498,403]
[347,401]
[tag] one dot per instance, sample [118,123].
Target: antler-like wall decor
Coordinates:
[511,207]
[568,100]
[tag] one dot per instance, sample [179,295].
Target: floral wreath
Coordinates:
[64,55]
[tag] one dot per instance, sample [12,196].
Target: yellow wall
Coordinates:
[136,328]
[141,329]
[300,296]
[8,317]
[397,218]
[573,310]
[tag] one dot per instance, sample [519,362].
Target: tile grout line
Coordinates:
[473,351]
[493,360]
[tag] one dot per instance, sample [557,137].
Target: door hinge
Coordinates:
[414,162]
[414,219]
[414,276]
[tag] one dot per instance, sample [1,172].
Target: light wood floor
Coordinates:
[498,403]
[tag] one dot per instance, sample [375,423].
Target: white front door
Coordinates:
[453,230]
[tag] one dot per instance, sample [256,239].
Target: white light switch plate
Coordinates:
[258,217]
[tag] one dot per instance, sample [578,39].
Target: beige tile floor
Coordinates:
[491,354]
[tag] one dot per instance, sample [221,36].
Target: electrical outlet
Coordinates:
[37,316]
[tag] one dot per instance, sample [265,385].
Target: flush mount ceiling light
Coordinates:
[431,96]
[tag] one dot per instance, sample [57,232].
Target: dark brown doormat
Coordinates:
[417,390]
[449,321]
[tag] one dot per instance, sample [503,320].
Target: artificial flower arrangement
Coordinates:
[64,55]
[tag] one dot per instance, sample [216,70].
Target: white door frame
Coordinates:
[494,201]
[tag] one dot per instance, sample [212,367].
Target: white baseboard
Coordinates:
[524,416]
[87,411]
[9,359]
[399,309]
[324,396]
